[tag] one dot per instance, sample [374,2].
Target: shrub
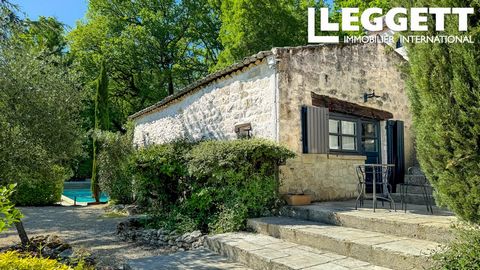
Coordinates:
[159,170]
[16,261]
[233,180]
[8,213]
[211,185]
[114,174]
[461,254]
[42,188]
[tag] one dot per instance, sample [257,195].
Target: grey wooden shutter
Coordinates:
[315,130]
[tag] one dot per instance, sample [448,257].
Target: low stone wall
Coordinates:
[324,176]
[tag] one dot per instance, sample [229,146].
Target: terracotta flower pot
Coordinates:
[297,199]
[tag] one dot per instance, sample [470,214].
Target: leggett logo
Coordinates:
[395,19]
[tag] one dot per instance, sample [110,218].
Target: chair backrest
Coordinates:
[416,176]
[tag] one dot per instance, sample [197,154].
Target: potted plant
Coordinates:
[295,199]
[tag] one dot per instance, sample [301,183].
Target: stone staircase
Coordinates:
[416,194]
[333,235]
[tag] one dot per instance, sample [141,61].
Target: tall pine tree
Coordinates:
[102,122]
[444,88]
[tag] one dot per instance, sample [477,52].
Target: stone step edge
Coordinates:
[377,254]
[420,231]
[252,259]
[416,199]
[414,189]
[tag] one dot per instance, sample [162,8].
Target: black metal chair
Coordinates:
[415,180]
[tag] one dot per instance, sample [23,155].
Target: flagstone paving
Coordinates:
[198,259]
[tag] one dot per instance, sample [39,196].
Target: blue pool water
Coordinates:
[83,195]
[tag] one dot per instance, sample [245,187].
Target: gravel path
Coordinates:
[83,227]
[89,227]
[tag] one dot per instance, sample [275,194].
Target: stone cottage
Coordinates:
[334,105]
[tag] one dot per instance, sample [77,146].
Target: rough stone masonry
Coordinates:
[268,90]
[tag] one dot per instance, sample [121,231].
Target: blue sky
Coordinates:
[66,11]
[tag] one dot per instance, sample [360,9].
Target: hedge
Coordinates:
[211,185]
[42,188]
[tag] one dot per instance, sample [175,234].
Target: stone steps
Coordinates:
[373,247]
[436,228]
[192,259]
[268,253]
[410,198]
[415,190]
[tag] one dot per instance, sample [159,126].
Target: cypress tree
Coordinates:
[102,122]
[444,89]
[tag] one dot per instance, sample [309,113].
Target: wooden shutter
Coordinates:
[315,130]
[395,151]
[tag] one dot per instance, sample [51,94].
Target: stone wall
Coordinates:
[326,177]
[246,96]
[345,72]
[264,96]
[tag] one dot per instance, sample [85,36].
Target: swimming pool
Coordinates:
[83,195]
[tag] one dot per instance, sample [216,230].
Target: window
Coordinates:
[342,135]
[326,132]
[369,137]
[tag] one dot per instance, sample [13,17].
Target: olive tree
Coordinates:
[39,122]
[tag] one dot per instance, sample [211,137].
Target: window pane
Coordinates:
[333,126]
[348,127]
[334,142]
[368,130]
[370,145]
[349,143]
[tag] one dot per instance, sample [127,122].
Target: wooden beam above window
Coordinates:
[341,106]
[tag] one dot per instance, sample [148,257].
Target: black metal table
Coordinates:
[374,175]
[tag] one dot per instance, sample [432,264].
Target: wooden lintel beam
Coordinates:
[341,106]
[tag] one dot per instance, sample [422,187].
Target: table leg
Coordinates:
[374,189]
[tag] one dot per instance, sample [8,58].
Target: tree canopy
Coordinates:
[250,26]
[152,48]
[39,105]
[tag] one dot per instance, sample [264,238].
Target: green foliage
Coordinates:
[159,170]
[41,188]
[45,35]
[250,26]
[8,213]
[102,122]
[8,19]
[173,219]
[461,254]
[12,260]
[39,119]
[212,185]
[114,174]
[151,47]
[102,118]
[445,96]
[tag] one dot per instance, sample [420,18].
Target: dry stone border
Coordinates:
[169,240]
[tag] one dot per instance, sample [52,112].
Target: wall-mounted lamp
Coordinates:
[366,96]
